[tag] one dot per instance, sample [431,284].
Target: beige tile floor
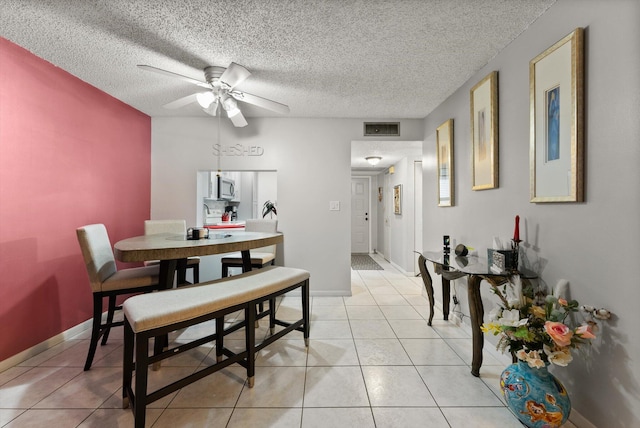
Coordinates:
[372,361]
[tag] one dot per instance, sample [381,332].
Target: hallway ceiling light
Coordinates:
[373,160]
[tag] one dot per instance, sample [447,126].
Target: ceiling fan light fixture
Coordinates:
[205,99]
[211,109]
[228,103]
[373,160]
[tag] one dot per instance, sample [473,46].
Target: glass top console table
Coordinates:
[451,267]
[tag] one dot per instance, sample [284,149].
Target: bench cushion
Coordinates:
[153,310]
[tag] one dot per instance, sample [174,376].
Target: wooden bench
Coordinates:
[154,315]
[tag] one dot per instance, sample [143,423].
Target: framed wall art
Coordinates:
[484,133]
[556,91]
[444,149]
[397,199]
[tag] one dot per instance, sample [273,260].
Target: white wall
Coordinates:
[312,159]
[401,225]
[589,244]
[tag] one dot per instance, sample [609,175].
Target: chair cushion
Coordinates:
[148,311]
[132,278]
[257,258]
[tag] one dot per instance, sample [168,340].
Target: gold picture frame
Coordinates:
[556,97]
[397,199]
[444,152]
[484,133]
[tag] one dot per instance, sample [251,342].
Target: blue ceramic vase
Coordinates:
[535,396]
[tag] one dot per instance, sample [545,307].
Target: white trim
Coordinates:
[401,270]
[43,346]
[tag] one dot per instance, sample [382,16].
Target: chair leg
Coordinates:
[107,326]
[95,330]
[196,274]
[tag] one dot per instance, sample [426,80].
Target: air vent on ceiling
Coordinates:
[387,129]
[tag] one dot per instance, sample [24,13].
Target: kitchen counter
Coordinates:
[226,225]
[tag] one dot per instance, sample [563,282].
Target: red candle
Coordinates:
[516,232]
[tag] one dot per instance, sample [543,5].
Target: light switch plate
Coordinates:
[334,205]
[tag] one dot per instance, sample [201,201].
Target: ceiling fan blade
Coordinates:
[181,102]
[176,75]
[234,75]
[237,118]
[260,102]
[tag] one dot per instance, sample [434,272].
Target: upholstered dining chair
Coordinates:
[107,281]
[260,257]
[153,227]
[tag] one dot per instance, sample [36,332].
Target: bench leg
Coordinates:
[305,311]
[272,315]
[250,339]
[219,338]
[127,364]
[142,369]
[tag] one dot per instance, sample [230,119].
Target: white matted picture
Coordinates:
[556,85]
[397,199]
[444,148]
[484,133]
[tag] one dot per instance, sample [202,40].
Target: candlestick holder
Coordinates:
[515,252]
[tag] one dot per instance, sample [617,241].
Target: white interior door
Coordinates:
[360,215]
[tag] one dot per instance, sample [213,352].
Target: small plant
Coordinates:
[268,208]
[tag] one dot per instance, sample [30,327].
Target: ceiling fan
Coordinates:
[220,83]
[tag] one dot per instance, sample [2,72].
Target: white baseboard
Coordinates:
[330,293]
[401,270]
[43,346]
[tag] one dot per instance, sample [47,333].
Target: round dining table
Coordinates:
[173,250]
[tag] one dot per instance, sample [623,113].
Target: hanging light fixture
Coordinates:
[205,99]
[373,160]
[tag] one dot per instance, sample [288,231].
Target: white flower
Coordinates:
[522,355]
[495,313]
[561,357]
[534,360]
[512,318]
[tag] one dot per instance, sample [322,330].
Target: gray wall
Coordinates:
[589,244]
[312,159]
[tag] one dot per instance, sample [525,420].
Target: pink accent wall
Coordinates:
[70,155]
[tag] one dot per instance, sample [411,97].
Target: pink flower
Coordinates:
[560,333]
[562,301]
[585,331]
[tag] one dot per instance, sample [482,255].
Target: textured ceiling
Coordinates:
[372,59]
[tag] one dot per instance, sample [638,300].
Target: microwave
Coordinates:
[222,188]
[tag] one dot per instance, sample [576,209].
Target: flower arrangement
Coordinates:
[537,330]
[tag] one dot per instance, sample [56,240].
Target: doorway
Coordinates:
[360,210]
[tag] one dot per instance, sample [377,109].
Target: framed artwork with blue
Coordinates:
[484,133]
[556,92]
